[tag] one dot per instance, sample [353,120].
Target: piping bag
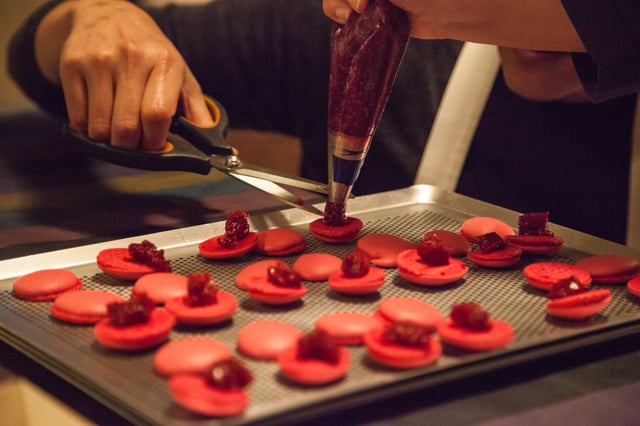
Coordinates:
[365,56]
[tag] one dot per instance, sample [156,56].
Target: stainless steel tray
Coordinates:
[126,382]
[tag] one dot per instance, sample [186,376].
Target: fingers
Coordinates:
[340,10]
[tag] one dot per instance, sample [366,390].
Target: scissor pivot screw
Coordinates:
[232,161]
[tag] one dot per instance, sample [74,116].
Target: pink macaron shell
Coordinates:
[634,286]
[413,269]
[223,309]
[160,286]
[118,263]
[83,306]
[400,356]
[347,328]
[265,339]
[499,335]
[193,392]
[280,242]
[504,258]
[610,268]
[135,337]
[536,244]
[254,270]
[457,245]
[544,275]
[336,234]
[580,306]
[408,309]
[45,284]
[262,290]
[475,227]
[366,284]
[312,371]
[383,249]
[189,355]
[211,248]
[316,266]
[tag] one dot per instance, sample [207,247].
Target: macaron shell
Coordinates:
[136,336]
[536,244]
[262,290]
[580,306]
[475,227]
[504,258]
[118,263]
[189,355]
[634,286]
[280,242]
[45,284]
[221,310]
[316,266]
[83,306]
[544,275]
[193,392]
[336,234]
[499,335]
[211,249]
[408,309]
[265,339]
[366,284]
[383,249]
[610,268]
[312,371]
[400,356]
[347,328]
[257,270]
[456,243]
[413,269]
[160,286]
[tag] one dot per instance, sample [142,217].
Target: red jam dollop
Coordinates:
[133,311]
[488,243]
[566,287]
[201,290]
[146,252]
[236,228]
[318,345]
[355,264]
[230,374]
[433,251]
[471,316]
[335,214]
[282,276]
[534,224]
[407,334]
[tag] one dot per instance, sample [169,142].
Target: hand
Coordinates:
[122,78]
[339,10]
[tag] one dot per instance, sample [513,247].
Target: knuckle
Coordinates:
[126,131]
[99,131]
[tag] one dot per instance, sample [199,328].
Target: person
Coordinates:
[532,151]
[603,37]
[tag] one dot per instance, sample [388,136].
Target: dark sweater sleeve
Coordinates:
[610,31]
[24,70]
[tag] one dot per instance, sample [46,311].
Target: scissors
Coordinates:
[199,149]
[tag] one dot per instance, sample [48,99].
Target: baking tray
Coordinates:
[127,383]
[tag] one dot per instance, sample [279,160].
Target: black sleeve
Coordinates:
[24,70]
[610,30]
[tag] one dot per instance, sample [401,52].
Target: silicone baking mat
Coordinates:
[127,383]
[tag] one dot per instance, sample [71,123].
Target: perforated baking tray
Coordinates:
[126,382]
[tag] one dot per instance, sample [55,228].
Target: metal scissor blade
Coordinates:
[277,191]
[232,164]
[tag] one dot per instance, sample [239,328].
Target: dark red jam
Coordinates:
[355,264]
[335,214]
[534,224]
[470,315]
[433,251]
[133,311]
[318,345]
[230,374]
[235,229]
[491,242]
[201,290]
[565,287]
[407,334]
[282,276]
[147,253]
